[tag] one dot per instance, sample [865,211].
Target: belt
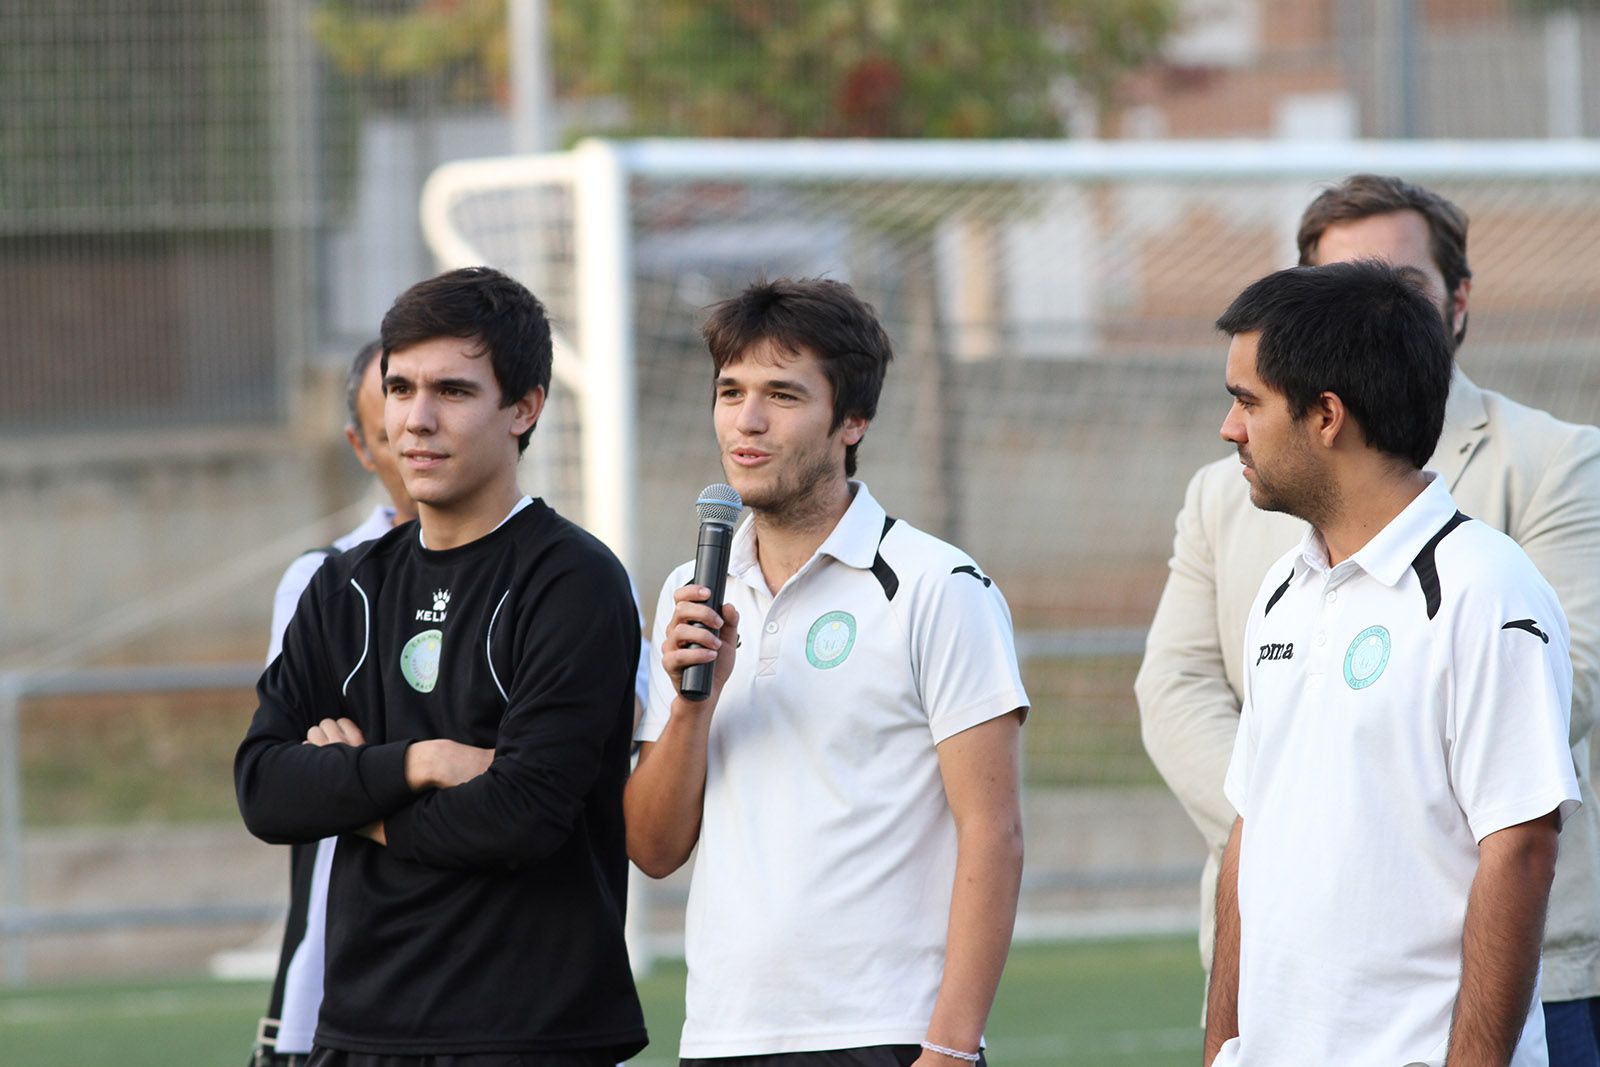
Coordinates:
[266,1055]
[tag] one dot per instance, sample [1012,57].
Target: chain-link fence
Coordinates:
[1058,378]
[201,200]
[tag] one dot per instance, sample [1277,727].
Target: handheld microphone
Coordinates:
[718,510]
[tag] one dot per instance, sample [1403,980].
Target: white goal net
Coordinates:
[1057,376]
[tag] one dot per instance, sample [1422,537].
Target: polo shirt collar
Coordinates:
[853,540]
[1394,548]
[742,553]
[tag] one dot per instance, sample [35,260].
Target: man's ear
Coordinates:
[359,447]
[527,410]
[1458,310]
[1329,418]
[853,429]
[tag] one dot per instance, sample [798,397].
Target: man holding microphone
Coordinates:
[851,781]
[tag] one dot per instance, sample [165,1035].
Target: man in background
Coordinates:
[363,398]
[1512,467]
[284,1035]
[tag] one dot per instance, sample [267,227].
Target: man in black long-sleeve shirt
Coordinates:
[465,684]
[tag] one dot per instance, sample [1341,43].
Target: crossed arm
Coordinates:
[435,764]
[439,802]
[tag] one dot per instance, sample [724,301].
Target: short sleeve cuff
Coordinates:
[650,728]
[641,677]
[1233,788]
[1563,802]
[1234,797]
[993,706]
[383,774]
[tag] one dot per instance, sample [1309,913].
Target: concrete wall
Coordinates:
[1061,478]
[180,523]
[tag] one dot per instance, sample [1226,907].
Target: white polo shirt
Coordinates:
[1398,708]
[820,896]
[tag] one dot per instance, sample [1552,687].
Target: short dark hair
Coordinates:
[824,316]
[352,382]
[1365,331]
[507,321]
[1362,196]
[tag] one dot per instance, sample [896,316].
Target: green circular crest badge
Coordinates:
[1366,657]
[419,660]
[831,639]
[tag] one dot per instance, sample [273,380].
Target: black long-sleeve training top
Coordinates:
[493,919]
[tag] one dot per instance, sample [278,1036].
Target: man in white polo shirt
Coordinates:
[1401,768]
[852,781]
[1513,467]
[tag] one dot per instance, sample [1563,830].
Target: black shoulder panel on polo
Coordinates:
[1427,572]
[880,569]
[1278,593]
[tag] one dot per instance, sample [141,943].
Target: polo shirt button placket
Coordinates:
[769,647]
[1317,672]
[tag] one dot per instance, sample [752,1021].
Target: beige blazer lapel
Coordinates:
[1466,423]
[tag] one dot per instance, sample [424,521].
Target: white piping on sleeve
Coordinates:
[488,653]
[366,637]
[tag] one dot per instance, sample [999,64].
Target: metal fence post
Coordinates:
[12,863]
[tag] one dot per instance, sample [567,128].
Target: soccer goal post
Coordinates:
[1057,376]
[1036,292]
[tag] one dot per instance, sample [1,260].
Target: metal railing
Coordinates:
[20,919]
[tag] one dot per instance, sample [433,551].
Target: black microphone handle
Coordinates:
[710,570]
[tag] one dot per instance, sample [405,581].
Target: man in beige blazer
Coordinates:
[1513,467]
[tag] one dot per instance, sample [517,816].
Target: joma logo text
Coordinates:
[1273,650]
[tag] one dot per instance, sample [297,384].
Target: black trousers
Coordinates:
[265,1057]
[871,1056]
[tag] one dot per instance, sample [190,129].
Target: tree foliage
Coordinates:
[775,68]
[410,52]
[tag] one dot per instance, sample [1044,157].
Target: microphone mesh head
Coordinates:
[719,504]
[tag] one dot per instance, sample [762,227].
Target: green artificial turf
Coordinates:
[1102,1003]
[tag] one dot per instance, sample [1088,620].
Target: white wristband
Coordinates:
[966,1057]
